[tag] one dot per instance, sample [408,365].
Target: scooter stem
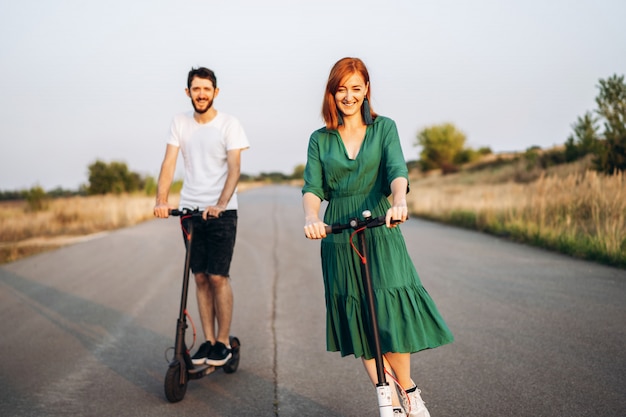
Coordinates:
[385,406]
[369,295]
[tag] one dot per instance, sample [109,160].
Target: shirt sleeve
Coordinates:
[174,136]
[393,157]
[235,136]
[313,172]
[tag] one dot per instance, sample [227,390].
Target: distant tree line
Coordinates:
[275,177]
[34,192]
[116,178]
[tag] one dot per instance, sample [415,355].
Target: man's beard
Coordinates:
[202,111]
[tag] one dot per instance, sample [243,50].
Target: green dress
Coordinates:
[408,319]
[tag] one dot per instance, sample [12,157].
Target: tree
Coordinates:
[298,172]
[36,198]
[442,146]
[112,178]
[585,138]
[150,185]
[611,101]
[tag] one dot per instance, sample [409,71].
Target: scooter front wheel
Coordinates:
[174,390]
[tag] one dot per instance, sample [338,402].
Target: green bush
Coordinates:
[114,177]
[36,198]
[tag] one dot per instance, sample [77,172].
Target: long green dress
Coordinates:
[408,319]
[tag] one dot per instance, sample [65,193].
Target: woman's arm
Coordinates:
[398,210]
[314,228]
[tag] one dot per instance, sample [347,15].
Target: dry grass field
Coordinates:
[66,220]
[568,208]
[62,221]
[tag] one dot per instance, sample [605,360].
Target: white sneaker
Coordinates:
[414,403]
[398,412]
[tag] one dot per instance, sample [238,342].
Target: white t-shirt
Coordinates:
[204,148]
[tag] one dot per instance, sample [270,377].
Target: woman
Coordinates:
[356,163]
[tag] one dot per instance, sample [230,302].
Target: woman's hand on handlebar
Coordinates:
[314,228]
[161,210]
[396,215]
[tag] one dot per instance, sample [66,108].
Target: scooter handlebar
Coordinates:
[357,224]
[185,212]
[188,212]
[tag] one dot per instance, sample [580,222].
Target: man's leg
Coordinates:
[223,303]
[222,242]
[206,309]
[206,306]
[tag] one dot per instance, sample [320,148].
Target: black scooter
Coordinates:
[181,369]
[383,389]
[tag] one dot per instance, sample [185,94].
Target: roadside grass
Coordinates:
[571,210]
[25,231]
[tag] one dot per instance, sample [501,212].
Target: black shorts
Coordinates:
[213,243]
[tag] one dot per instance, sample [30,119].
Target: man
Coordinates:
[211,143]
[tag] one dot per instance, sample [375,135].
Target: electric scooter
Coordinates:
[181,369]
[383,389]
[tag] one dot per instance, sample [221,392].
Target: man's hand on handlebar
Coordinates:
[161,210]
[212,211]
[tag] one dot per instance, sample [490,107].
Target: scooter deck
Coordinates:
[199,371]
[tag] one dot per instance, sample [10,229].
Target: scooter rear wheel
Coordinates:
[174,390]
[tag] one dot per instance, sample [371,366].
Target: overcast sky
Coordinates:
[84,80]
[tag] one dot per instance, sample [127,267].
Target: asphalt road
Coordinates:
[84,329]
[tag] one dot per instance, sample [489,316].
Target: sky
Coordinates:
[82,81]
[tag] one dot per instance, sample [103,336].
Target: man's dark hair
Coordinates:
[201,72]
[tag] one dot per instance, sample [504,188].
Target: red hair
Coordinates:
[340,71]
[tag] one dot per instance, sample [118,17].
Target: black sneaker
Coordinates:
[219,354]
[203,351]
